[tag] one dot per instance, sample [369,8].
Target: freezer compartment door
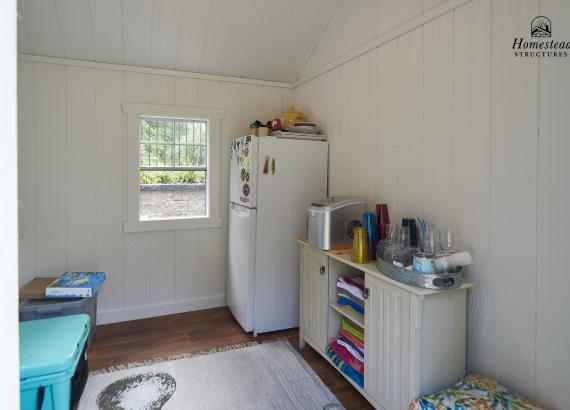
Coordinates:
[243,171]
[241,260]
[295,176]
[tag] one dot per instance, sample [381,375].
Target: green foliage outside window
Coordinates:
[178,143]
[172,177]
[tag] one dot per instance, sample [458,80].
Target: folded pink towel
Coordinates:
[356,281]
[347,357]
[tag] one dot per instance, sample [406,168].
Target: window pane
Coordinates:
[179,127]
[172,143]
[172,194]
[193,136]
[155,125]
[165,131]
[156,155]
[202,133]
[190,155]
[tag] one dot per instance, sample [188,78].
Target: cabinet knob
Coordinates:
[366,293]
[322,270]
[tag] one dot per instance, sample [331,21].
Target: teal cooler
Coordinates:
[53,362]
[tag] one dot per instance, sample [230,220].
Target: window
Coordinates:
[173,167]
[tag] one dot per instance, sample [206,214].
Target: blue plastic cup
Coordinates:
[369,222]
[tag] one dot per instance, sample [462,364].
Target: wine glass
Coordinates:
[449,240]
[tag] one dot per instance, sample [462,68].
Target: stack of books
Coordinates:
[75,285]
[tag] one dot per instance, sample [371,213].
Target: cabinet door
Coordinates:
[387,344]
[314,303]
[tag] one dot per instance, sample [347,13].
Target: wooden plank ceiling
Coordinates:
[259,39]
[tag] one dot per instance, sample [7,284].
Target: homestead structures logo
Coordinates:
[540,28]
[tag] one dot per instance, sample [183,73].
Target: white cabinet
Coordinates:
[414,339]
[387,343]
[314,305]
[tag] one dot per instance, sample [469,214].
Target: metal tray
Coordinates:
[435,281]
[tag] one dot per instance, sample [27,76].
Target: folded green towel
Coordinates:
[349,327]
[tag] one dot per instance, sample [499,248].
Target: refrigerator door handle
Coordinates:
[241,210]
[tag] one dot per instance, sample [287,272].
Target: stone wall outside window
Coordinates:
[160,201]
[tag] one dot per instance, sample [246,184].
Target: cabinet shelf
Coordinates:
[355,317]
[354,384]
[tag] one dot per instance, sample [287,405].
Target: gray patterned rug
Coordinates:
[253,376]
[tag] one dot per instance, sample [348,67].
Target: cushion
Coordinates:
[475,391]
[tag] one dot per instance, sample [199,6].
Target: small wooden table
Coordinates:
[35,289]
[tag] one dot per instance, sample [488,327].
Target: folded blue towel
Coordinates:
[350,296]
[345,367]
[346,301]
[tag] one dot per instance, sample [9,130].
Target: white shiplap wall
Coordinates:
[72,160]
[442,121]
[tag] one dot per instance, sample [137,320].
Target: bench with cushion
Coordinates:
[475,391]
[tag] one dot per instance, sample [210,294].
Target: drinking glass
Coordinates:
[396,251]
[393,252]
[390,234]
[406,255]
[401,252]
[430,242]
[393,246]
[411,222]
[405,236]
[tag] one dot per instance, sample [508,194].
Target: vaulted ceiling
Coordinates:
[260,39]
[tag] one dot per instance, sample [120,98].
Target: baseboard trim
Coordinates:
[159,309]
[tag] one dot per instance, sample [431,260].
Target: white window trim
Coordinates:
[134,113]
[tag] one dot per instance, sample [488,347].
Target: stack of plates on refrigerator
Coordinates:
[301,130]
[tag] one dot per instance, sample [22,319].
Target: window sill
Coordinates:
[172,224]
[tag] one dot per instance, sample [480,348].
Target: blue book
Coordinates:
[75,285]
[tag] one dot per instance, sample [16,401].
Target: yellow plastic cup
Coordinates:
[360,246]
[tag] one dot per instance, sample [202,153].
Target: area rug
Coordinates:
[253,376]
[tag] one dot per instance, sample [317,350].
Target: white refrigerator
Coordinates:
[272,182]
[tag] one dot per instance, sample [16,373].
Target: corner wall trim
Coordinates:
[159,309]
[411,25]
[149,70]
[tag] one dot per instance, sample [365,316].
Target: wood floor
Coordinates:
[139,340]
